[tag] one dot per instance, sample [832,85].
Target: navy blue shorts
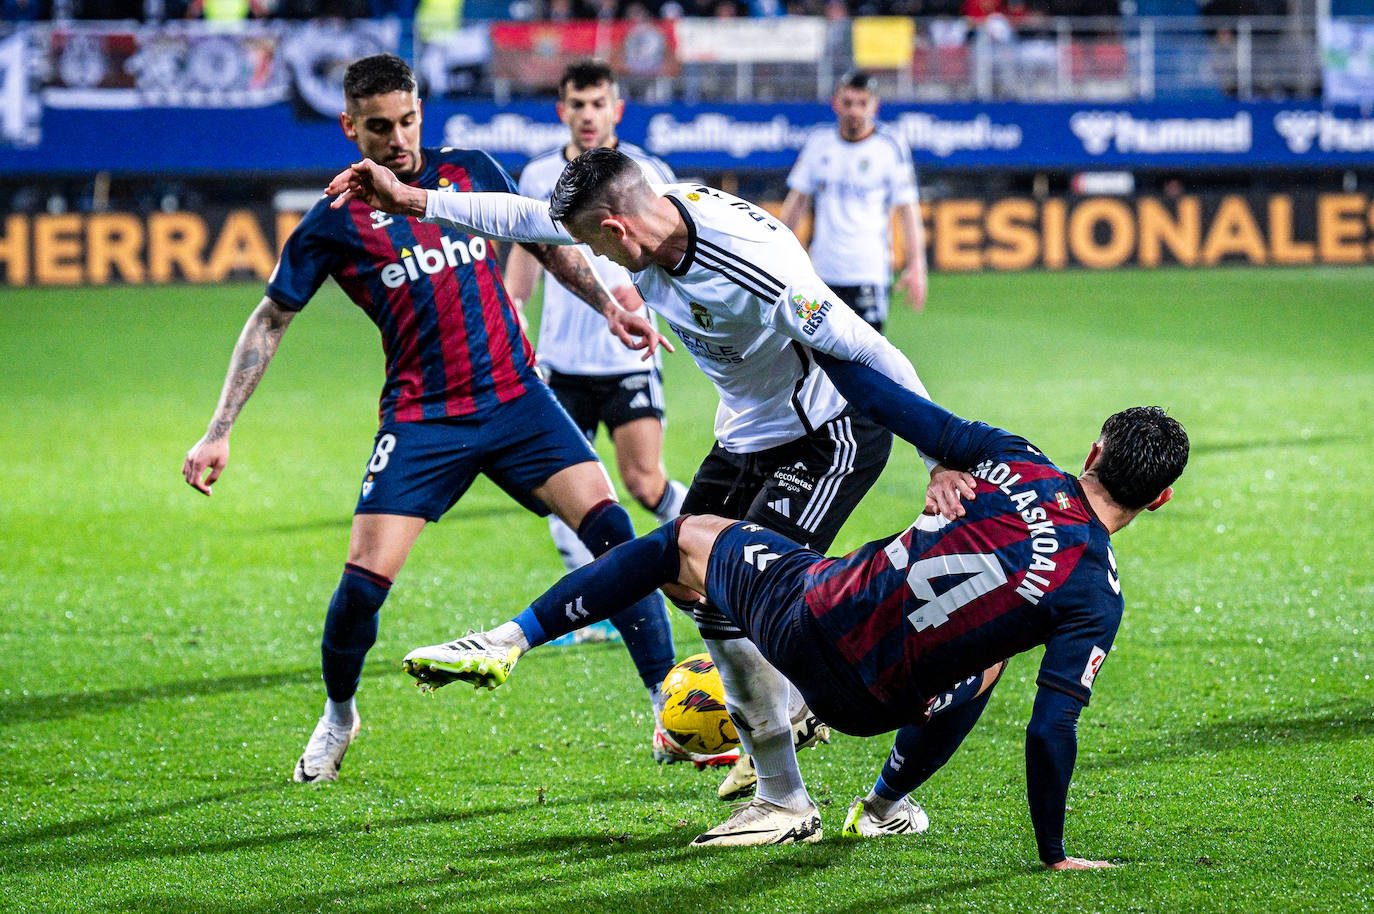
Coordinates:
[757,578]
[421,469]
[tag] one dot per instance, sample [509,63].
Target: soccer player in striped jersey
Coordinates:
[739,291]
[461,396]
[598,381]
[911,631]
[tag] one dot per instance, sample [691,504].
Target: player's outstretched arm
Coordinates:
[912,281]
[1051,751]
[378,187]
[207,458]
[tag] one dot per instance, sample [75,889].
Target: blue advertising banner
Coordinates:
[279,138]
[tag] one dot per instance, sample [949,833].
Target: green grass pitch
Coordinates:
[159,650]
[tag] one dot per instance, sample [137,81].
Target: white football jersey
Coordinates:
[749,307]
[853,188]
[745,301]
[573,338]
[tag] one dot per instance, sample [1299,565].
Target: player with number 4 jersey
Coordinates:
[910,632]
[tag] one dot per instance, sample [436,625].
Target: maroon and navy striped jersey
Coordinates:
[452,340]
[1028,564]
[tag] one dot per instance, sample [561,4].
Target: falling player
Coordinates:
[876,639]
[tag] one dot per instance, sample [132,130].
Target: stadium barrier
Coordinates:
[1014,233]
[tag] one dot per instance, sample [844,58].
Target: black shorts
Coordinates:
[804,489]
[757,580]
[869,302]
[610,400]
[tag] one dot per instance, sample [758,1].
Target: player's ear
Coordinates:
[1093,453]
[346,125]
[619,110]
[1161,500]
[419,109]
[560,110]
[615,226]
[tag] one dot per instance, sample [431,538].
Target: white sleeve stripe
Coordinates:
[724,255]
[747,283]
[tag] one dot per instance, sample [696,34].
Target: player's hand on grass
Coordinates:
[378,187]
[947,492]
[1078,863]
[636,331]
[205,456]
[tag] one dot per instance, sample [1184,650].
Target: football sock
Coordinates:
[623,576]
[756,696]
[919,752]
[570,548]
[508,634]
[670,505]
[350,629]
[643,625]
[341,713]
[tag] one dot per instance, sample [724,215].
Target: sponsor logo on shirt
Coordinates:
[811,311]
[419,260]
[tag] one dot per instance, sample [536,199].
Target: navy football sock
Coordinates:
[350,629]
[643,625]
[613,586]
[919,752]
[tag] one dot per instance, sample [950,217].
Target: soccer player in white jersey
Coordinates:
[857,174]
[739,291]
[596,378]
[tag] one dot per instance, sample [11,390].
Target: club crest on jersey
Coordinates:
[367,485]
[702,317]
[694,196]
[380,219]
[811,311]
[427,261]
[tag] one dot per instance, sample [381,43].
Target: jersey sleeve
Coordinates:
[488,175]
[802,177]
[902,179]
[307,258]
[1082,640]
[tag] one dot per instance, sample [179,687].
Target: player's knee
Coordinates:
[351,622]
[644,485]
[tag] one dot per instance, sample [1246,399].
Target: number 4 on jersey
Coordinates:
[980,573]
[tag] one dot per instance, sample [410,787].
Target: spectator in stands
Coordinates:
[978,11]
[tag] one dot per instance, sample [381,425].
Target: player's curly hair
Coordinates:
[377,75]
[1143,451]
[597,176]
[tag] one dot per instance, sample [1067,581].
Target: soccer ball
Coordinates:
[694,712]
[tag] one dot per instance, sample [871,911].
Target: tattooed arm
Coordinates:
[570,267]
[252,353]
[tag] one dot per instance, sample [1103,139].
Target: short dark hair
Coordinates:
[594,177]
[583,74]
[858,79]
[1143,451]
[377,75]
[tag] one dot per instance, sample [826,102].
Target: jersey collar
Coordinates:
[687,259]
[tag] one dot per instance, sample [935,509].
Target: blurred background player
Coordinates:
[598,381]
[856,175]
[461,394]
[875,639]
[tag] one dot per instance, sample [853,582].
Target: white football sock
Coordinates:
[570,548]
[756,695]
[880,807]
[509,634]
[341,713]
[670,505]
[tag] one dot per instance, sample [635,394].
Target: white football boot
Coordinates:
[740,781]
[760,822]
[324,752]
[473,658]
[907,818]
